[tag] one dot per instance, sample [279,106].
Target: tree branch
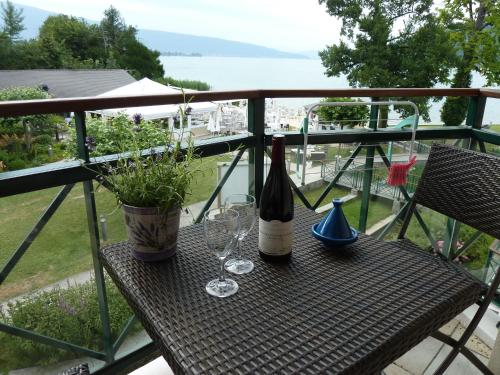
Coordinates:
[402,15]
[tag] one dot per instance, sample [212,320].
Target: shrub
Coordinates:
[13,125]
[345,116]
[118,134]
[43,139]
[478,252]
[15,164]
[185,83]
[70,314]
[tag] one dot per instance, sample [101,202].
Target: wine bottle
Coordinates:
[276,208]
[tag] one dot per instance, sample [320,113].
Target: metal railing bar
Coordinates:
[221,183]
[20,332]
[295,188]
[51,175]
[468,243]
[300,194]
[482,147]
[390,225]
[451,238]
[425,228]
[90,208]
[37,228]
[487,136]
[408,198]
[337,177]
[72,171]
[124,333]
[367,136]
[369,155]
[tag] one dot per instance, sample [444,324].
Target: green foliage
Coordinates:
[474,29]
[20,135]
[70,314]
[473,26]
[389,43]
[185,83]
[478,251]
[345,116]
[66,42]
[112,25]
[14,125]
[136,57]
[454,108]
[153,179]
[81,41]
[12,20]
[124,50]
[114,135]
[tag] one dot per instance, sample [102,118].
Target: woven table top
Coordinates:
[350,311]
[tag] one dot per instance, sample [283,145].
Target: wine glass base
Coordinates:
[239,266]
[222,289]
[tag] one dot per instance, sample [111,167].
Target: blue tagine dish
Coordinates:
[334,230]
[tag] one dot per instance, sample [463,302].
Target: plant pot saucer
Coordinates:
[331,242]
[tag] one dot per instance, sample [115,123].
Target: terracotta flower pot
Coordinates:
[152,232]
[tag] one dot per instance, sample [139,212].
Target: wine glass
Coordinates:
[244,204]
[221,226]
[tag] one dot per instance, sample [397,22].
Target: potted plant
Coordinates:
[151,186]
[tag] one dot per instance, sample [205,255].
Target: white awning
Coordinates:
[146,86]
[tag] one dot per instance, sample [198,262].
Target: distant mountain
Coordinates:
[174,42]
[165,42]
[309,54]
[33,19]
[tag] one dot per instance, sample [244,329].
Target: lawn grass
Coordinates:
[436,223]
[62,248]
[378,208]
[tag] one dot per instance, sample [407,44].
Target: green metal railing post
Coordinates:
[88,189]
[474,119]
[451,238]
[256,120]
[368,173]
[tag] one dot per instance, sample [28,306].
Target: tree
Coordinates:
[81,40]
[343,115]
[12,20]
[112,26]
[124,50]
[389,43]
[473,25]
[136,57]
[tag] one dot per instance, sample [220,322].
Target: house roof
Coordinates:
[65,83]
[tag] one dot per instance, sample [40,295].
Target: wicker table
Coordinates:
[350,311]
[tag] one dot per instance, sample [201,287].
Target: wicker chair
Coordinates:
[463,185]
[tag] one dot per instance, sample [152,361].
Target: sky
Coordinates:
[288,25]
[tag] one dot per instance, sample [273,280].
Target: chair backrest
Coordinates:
[464,185]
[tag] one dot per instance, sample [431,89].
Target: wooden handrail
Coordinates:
[490,93]
[33,107]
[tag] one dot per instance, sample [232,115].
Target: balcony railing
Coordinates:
[69,173]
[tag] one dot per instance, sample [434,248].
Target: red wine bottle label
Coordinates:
[275,237]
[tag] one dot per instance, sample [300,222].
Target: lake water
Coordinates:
[235,73]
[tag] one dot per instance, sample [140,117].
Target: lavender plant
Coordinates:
[155,177]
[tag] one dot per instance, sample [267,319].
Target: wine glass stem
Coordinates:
[239,256]
[221,273]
